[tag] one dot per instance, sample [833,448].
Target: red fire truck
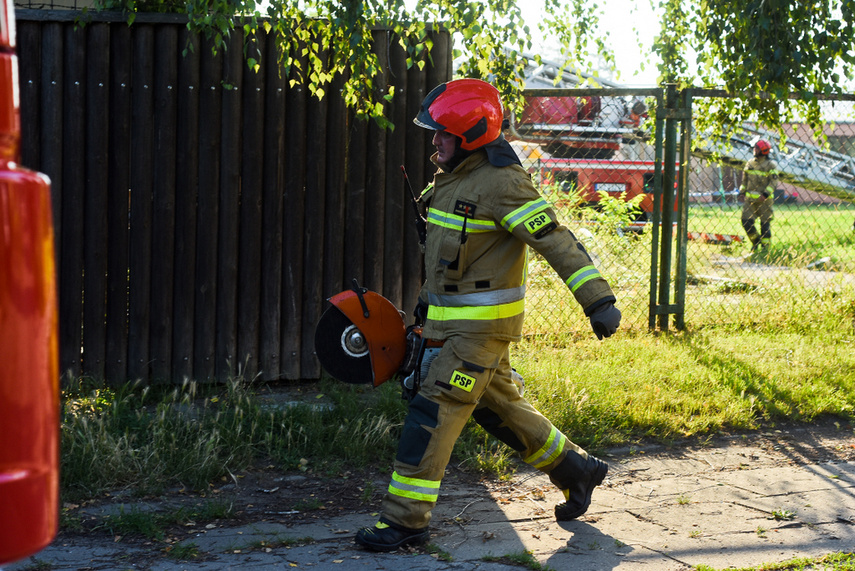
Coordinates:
[587,178]
[584,145]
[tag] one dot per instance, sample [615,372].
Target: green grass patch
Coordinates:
[671,387]
[801,234]
[438,552]
[194,435]
[182,551]
[154,524]
[831,562]
[520,558]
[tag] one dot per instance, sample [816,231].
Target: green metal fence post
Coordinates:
[656,215]
[668,178]
[683,206]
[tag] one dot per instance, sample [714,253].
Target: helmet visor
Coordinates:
[424,119]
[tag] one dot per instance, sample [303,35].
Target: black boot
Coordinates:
[385,536]
[580,490]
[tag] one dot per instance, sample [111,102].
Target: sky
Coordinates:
[620,19]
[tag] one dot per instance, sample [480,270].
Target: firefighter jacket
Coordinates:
[759,179]
[480,218]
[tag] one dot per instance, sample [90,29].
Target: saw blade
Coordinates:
[342,348]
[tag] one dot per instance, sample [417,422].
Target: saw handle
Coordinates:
[360,292]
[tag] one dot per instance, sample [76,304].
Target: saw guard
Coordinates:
[384,330]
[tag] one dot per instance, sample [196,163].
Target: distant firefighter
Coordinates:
[758,193]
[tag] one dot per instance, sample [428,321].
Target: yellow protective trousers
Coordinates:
[469,377]
[753,210]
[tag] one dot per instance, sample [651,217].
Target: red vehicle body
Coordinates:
[580,139]
[586,178]
[29,369]
[579,127]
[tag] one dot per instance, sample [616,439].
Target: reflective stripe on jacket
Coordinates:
[480,220]
[760,176]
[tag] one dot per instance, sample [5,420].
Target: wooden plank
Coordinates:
[273,200]
[354,226]
[142,164]
[73,195]
[95,237]
[187,188]
[293,226]
[163,208]
[50,134]
[397,220]
[251,222]
[441,71]
[116,360]
[29,81]
[334,210]
[416,162]
[210,121]
[229,211]
[313,232]
[375,190]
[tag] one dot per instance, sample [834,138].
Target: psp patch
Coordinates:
[540,225]
[462,381]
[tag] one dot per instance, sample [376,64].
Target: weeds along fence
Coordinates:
[204,212]
[593,154]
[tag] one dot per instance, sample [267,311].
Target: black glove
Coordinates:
[605,320]
[420,312]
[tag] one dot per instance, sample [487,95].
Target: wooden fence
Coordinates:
[205,212]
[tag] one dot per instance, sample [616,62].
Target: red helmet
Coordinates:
[762,147]
[468,108]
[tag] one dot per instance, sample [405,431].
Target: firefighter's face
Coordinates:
[446,145]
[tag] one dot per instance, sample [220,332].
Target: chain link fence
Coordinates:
[811,254]
[594,158]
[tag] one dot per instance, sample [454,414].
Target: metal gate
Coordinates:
[681,254]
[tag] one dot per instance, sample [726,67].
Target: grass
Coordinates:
[831,562]
[182,551]
[631,388]
[783,515]
[801,234]
[439,553]
[192,435]
[813,249]
[670,387]
[522,558]
[154,524]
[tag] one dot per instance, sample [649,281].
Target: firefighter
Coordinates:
[482,213]
[758,193]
